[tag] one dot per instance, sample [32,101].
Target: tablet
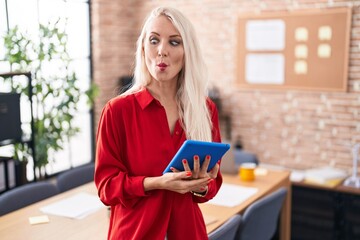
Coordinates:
[191,147]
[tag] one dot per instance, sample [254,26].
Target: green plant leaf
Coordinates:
[55,96]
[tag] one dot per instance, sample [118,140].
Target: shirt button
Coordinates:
[177,132]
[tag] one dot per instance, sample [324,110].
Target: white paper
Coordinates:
[297,176]
[265,68]
[265,35]
[231,195]
[323,174]
[77,206]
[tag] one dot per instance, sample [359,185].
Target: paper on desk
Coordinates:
[78,206]
[231,195]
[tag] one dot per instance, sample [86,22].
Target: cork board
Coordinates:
[306,50]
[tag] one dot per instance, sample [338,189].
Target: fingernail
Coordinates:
[172,169]
[207,157]
[196,157]
[188,173]
[184,161]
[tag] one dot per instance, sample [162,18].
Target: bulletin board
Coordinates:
[306,50]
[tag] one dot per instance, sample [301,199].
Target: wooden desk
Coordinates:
[266,184]
[16,224]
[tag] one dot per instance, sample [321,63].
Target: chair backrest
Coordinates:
[260,219]
[75,177]
[242,156]
[228,230]
[24,195]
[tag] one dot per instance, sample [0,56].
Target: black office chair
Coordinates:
[25,195]
[75,177]
[260,219]
[228,230]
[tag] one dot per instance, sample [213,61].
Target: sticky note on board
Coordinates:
[324,33]
[301,67]
[324,51]
[301,34]
[301,51]
[39,219]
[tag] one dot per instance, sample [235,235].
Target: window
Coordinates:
[78,150]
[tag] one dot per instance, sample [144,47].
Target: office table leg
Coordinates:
[285,217]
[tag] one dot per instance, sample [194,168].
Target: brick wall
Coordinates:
[295,129]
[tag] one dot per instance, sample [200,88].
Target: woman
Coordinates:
[141,130]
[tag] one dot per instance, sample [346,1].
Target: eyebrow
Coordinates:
[175,35]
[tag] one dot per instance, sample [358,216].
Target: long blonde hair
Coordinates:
[192,83]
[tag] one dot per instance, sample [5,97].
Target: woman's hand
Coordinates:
[180,182]
[200,172]
[185,181]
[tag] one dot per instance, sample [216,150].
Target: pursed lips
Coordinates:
[162,66]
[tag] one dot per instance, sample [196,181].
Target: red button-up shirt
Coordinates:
[134,142]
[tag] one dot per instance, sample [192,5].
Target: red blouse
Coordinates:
[134,142]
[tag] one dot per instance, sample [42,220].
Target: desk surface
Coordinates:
[16,224]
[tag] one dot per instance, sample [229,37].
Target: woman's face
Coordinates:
[163,49]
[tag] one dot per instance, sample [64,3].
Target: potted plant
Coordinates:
[55,93]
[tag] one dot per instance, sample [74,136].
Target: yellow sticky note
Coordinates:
[39,219]
[301,51]
[301,34]
[325,33]
[324,51]
[301,67]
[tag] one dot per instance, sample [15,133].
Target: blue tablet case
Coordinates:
[191,147]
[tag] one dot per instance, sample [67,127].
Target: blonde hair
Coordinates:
[192,83]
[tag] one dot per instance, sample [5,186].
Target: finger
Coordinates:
[182,175]
[196,166]
[214,171]
[195,183]
[174,169]
[186,165]
[205,165]
[202,188]
[187,173]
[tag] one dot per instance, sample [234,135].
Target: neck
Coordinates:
[163,91]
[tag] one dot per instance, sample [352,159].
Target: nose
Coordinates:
[162,50]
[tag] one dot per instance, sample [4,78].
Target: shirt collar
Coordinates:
[144,98]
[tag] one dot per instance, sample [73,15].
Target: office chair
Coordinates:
[260,219]
[228,230]
[241,156]
[25,195]
[75,177]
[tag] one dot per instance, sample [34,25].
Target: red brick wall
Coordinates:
[290,128]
